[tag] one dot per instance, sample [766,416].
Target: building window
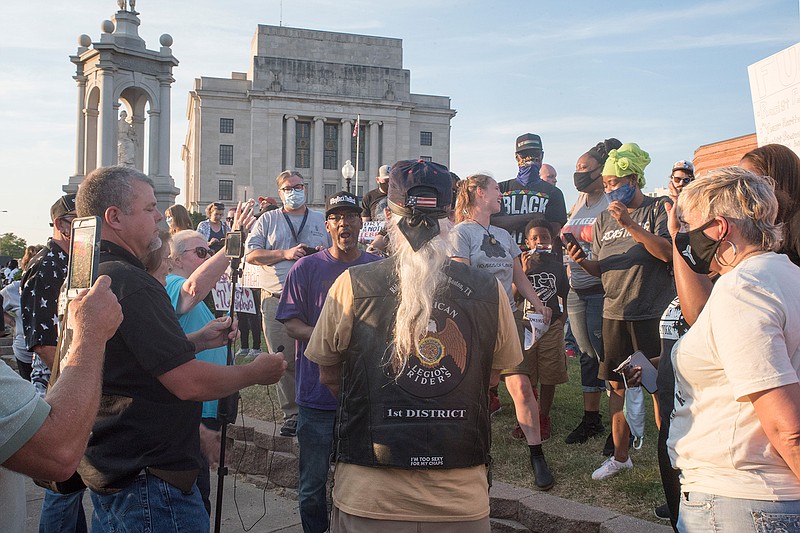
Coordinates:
[330,189]
[425,138]
[330,154]
[226,125]
[225,154]
[425,158]
[362,137]
[226,190]
[302,154]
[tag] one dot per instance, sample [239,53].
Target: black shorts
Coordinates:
[623,337]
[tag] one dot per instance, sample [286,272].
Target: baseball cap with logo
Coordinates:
[340,201]
[685,166]
[64,207]
[528,142]
[420,192]
[383,172]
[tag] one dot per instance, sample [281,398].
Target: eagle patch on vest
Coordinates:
[441,362]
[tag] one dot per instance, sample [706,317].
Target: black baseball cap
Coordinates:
[64,206]
[420,184]
[341,200]
[528,142]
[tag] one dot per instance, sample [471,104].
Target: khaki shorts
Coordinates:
[545,362]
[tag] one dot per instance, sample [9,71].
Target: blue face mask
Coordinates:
[624,194]
[529,174]
[294,199]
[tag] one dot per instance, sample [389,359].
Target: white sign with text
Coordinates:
[775,90]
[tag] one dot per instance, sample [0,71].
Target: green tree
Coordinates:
[12,245]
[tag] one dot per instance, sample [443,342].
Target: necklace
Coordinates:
[492,239]
[748,254]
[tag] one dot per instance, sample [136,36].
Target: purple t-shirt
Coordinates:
[304,292]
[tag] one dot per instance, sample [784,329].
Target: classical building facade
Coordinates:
[296,108]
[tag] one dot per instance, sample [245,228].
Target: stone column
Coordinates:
[373,161]
[107,123]
[316,161]
[154,119]
[345,146]
[291,140]
[92,117]
[80,145]
[163,127]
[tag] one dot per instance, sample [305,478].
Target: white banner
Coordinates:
[369,230]
[775,90]
[244,302]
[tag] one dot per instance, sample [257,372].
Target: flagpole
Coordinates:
[358,146]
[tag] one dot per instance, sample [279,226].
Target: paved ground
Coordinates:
[281,513]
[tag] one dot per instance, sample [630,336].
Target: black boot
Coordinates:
[542,476]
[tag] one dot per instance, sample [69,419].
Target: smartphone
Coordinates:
[84,255]
[309,250]
[649,372]
[234,245]
[569,238]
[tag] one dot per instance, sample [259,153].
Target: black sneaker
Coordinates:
[595,427]
[289,428]
[662,511]
[608,448]
[578,435]
[542,477]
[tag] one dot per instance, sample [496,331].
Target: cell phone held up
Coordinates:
[569,238]
[84,255]
[234,244]
[308,250]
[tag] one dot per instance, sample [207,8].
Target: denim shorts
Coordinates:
[700,512]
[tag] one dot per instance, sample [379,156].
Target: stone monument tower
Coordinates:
[123,90]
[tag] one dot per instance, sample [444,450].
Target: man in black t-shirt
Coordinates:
[527,196]
[142,458]
[374,202]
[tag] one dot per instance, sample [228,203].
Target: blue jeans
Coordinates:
[149,504]
[62,512]
[586,318]
[701,512]
[315,436]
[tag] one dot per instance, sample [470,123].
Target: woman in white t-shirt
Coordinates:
[736,423]
[489,248]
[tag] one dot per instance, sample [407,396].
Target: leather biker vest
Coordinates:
[432,413]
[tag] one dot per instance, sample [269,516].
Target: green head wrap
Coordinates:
[626,160]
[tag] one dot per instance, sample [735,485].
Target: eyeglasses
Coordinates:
[347,217]
[229,219]
[677,179]
[201,252]
[298,187]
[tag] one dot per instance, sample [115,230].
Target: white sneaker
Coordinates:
[254,352]
[611,467]
[242,352]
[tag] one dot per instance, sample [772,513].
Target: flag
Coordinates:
[358,124]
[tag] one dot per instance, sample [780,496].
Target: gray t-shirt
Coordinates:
[581,224]
[22,412]
[271,232]
[638,286]
[474,242]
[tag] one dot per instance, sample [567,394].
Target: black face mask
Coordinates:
[697,249]
[584,180]
[383,186]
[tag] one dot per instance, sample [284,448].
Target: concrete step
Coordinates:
[503,525]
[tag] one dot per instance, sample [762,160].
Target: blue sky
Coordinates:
[670,76]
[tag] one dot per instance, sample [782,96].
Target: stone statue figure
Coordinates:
[121,4]
[126,141]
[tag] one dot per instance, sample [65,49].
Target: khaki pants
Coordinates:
[342,522]
[275,332]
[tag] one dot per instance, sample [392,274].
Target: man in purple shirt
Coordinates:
[303,295]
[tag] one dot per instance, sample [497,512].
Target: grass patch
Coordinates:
[633,492]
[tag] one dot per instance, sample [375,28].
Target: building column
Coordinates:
[80,145]
[316,161]
[345,149]
[373,158]
[154,119]
[291,140]
[163,127]
[107,123]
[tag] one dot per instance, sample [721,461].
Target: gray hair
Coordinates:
[180,240]
[745,199]
[105,187]
[286,174]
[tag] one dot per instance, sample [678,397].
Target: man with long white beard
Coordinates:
[413,343]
